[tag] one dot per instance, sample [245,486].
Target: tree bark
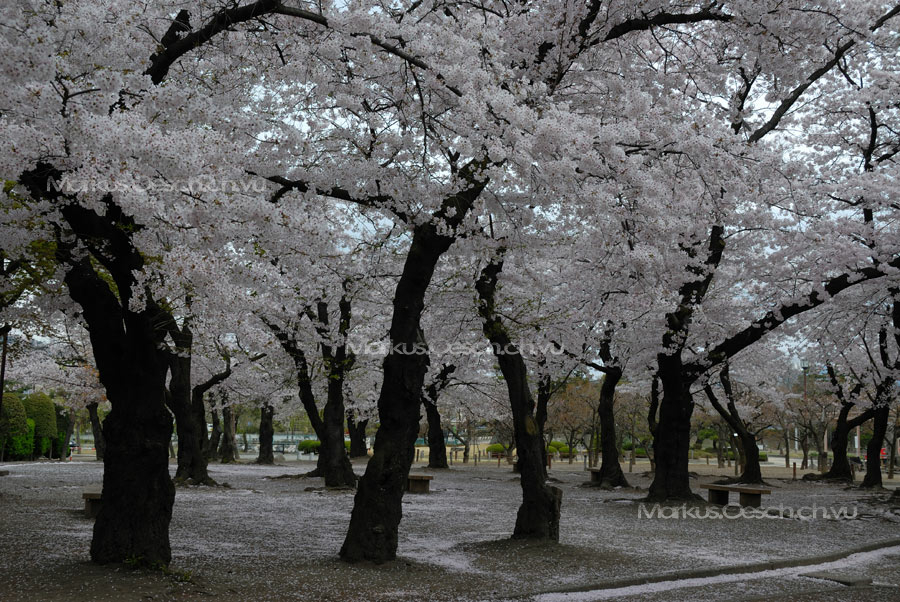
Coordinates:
[333,463]
[357,430]
[215,438]
[746,451]
[138,493]
[97,430]
[228,451]
[872,480]
[672,439]
[437,447]
[377,507]
[266,434]
[538,516]
[840,437]
[611,474]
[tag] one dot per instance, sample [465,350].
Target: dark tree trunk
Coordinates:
[746,452]
[266,434]
[872,479]
[787,447]
[70,428]
[228,451]
[215,438]
[192,463]
[672,439]
[437,447]
[611,474]
[357,432]
[377,508]
[840,437]
[97,430]
[138,493]
[333,463]
[804,447]
[538,516]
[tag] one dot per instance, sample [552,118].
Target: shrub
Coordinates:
[309,446]
[763,457]
[627,446]
[21,446]
[39,408]
[347,445]
[495,448]
[13,420]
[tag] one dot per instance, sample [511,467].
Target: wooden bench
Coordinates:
[595,474]
[418,483]
[93,499]
[749,496]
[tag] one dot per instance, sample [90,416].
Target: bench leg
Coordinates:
[753,500]
[92,507]
[417,486]
[718,497]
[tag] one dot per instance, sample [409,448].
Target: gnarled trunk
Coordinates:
[97,431]
[611,474]
[872,480]
[437,447]
[192,463]
[357,430]
[672,438]
[840,437]
[215,437]
[228,451]
[266,434]
[377,507]
[538,516]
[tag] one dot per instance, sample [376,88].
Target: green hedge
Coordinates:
[309,446]
[495,448]
[21,446]
[39,407]
[13,421]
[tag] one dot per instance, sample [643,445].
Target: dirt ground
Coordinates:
[265,539]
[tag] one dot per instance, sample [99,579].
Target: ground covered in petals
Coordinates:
[277,539]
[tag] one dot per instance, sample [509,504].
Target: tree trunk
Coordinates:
[377,507]
[672,439]
[611,474]
[192,463]
[228,451]
[266,434]
[872,479]
[357,432]
[804,447]
[787,448]
[215,437]
[333,463]
[70,428]
[97,430]
[437,447]
[840,438]
[538,516]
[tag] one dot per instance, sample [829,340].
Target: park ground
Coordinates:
[277,539]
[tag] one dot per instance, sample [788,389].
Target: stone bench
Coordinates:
[418,483]
[93,499]
[749,496]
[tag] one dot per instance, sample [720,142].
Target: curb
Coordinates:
[756,567]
